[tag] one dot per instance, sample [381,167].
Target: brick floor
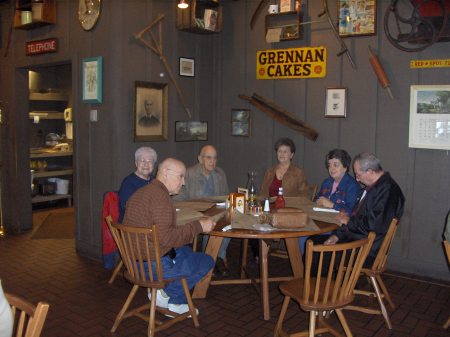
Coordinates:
[83,304]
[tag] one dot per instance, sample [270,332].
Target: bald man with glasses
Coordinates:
[152,204]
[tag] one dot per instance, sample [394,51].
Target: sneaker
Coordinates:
[179,309]
[221,269]
[162,299]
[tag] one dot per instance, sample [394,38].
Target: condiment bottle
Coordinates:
[280,202]
[266,206]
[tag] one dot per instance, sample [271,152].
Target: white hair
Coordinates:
[146,149]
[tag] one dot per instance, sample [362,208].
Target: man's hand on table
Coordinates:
[207,224]
[331,240]
[342,217]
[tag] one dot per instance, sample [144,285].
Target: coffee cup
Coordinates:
[273,9]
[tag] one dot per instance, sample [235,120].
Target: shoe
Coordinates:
[179,309]
[162,299]
[221,269]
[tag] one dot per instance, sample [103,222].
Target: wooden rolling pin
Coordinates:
[379,71]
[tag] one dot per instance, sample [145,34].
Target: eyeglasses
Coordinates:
[178,174]
[210,157]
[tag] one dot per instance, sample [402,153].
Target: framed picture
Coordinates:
[238,202]
[240,122]
[92,79]
[187,67]
[429,117]
[357,17]
[335,102]
[191,131]
[243,191]
[150,111]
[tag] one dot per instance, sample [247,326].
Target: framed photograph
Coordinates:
[150,111]
[357,17]
[429,117]
[187,67]
[240,122]
[335,102]
[191,131]
[238,202]
[92,79]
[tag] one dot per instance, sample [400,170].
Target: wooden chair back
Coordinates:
[312,191]
[379,264]
[332,286]
[28,319]
[139,249]
[447,250]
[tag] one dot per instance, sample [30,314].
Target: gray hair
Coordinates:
[368,161]
[146,149]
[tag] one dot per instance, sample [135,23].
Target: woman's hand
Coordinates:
[324,202]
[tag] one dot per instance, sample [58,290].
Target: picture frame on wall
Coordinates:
[240,122]
[335,102]
[188,131]
[429,117]
[187,67]
[150,111]
[92,79]
[357,17]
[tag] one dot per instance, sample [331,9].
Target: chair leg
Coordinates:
[115,272]
[312,322]
[124,308]
[385,291]
[279,325]
[190,303]
[381,302]
[447,324]
[343,321]
[151,323]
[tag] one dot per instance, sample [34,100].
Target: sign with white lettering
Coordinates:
[308,62]
[41,47]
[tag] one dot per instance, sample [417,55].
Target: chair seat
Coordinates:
[294,289]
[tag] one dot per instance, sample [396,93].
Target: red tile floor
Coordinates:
[82,303]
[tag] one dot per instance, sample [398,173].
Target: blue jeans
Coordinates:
[190,265]
[223,247]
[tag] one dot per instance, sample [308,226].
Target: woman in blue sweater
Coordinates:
[340,190]
[145,159]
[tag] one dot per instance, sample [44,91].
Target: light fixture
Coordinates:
[183,4]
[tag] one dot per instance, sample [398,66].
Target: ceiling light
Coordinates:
[183,4]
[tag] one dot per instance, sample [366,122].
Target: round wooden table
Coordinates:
[293,249]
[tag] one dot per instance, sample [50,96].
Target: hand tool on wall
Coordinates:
[281,115]
[156,47]
[379,71]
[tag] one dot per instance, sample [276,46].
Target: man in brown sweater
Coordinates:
[152,204]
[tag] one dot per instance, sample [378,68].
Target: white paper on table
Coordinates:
[220,204]
[329,210]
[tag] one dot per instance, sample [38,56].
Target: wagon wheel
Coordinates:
[414,33]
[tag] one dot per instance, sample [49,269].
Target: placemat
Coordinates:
[197,205]
[307,205]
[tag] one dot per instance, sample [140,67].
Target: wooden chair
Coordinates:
[312,191]
[28,319]
[373,274]
[139,247]
[330,288]
[447,252]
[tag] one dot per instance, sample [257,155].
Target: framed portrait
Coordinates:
[187,67]
[357,17]
[335,102]
[191,131]
[150,111]
[240,122]
[92,79]
[238,202]
[429,117]
[243,191]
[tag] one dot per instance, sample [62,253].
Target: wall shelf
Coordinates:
[47,96]
[55,173]
[201,17]
[42,13]
[53,197]
[289,24]
[50,154]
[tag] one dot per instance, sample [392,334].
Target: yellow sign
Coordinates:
[444,63]
[309,62]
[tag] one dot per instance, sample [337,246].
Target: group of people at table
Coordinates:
[147,199]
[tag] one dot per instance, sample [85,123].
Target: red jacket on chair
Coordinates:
[110,207]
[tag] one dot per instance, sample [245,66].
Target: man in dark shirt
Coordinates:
[382,200]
